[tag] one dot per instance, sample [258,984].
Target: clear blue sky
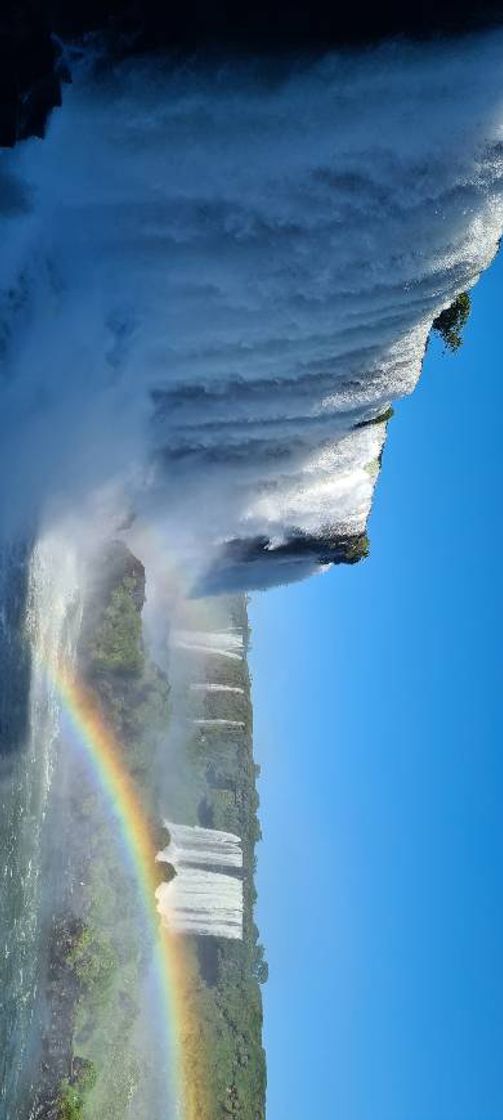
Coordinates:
[378,727]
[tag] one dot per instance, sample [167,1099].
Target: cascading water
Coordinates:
[51,623]
[208,643]
[217,722]
[207,686]
[221,641]
[202,899]
[190,844]
[240,269]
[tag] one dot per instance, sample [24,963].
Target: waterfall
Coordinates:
[229,640]
[202,722]
[192,647]
[202,899]
[210,643]
[193,844]
[208,686]
[205,903]
[51,622]
[241,271]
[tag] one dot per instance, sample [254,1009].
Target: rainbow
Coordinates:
[106,758]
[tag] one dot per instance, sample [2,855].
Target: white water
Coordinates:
[204,903]
[203,722]
[217,640]
[206,686]
[207,280]
[209,643]
[193,844]
[52,619]
[207,650]
[202,899]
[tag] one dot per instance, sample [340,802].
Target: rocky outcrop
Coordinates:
[245,564]
[32,70]
[330,548]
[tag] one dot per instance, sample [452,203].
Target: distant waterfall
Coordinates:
[218,278]
[224,643]
[190,844]
[51,621]
[206,686]
[202,899]
[203,722]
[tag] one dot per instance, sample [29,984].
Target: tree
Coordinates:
[451,321]
[260,966]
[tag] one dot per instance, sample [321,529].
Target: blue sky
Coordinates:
[378,727]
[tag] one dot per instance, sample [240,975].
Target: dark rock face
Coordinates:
[254,563]
[329,549]
[31,72]
[30,75]
[57,1063]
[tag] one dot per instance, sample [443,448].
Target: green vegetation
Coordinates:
[116,646]
[72,1094]
[131,689]
[93,960]
[260,966]
[214,785]
[356,548]
[383,418]
[449,324]
[110,955]
[104,956]
[107,958]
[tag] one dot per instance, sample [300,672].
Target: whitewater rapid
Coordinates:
[213,276]
[45,579]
